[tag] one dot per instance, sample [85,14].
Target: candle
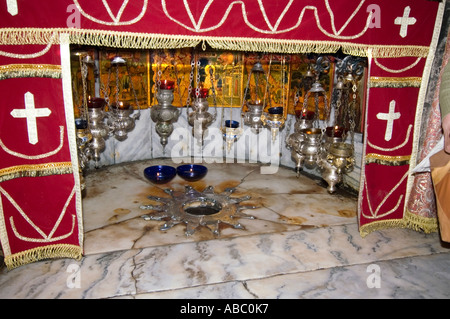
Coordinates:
[123,106]
[202,93]
[95,103]
[166,85]
[336,131]
[305,115]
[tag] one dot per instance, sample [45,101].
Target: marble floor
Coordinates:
[302,243]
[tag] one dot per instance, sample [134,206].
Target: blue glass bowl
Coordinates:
[275,110]
[160,174]
[231,124]
[80,124]
[192,172]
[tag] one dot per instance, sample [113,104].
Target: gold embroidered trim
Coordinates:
[395,82]
[299,46]
[29,71]
[419,223]
[39,156]
[366,229]
[45,252]
[135,40]
[410,221]
[387,160]
[35,170]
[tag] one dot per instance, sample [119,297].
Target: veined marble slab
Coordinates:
[220,261]
[285,202]
[407,278]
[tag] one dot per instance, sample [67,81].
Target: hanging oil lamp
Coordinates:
[276,116]
[231,133]
[164,114]
[274,119]
[83,133]
[83,138]
[97,127]
[200,119]
[338,157]
[311,144]
[303,120]
[231,129]
[254,116]
[121,119]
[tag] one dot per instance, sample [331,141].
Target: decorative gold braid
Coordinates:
[45,252]
[136,40]
[387,160]
[35,170]
[29,71]
[412,221]
[366,229]
[395,82]
[420,223]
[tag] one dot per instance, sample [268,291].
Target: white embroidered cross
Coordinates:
[31,113]
[389,117]
[12,8]
[405,21]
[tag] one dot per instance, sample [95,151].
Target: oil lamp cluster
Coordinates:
[95,124]
[324,146]
[321,131]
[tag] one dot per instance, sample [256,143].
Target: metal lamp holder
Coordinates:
[120,118]
[254,116]
[164,114]
[199,118]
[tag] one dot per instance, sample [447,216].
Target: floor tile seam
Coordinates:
[274,275]
[289,273]
[225,238]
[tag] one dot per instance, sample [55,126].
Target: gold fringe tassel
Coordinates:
[394,82]
[40,253]
[387,160]
[410,221]
[296,46]
[36,170]
[135,40]
[366,229]
[29,71]
[419,223]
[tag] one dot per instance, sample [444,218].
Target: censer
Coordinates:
[200,119]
